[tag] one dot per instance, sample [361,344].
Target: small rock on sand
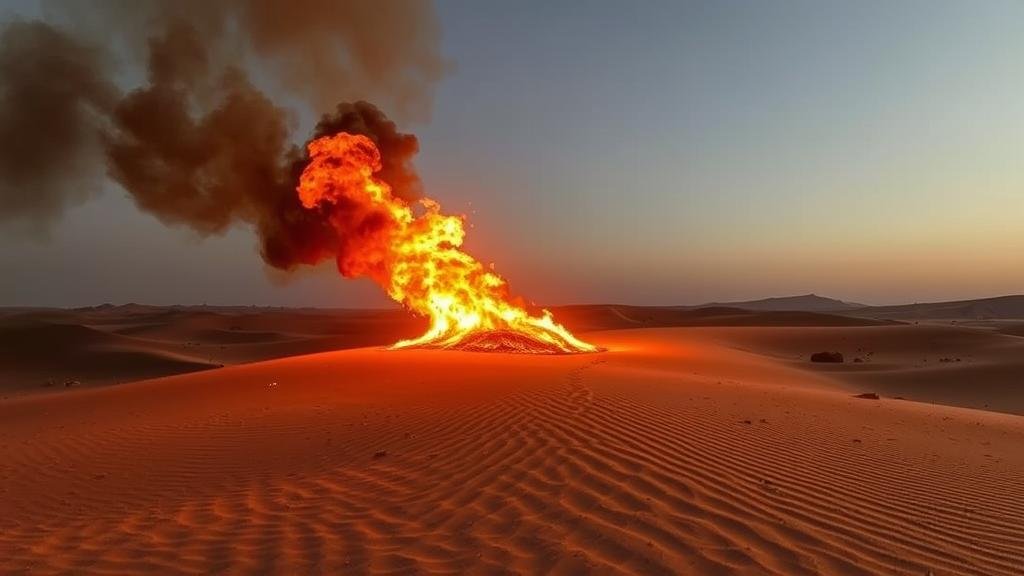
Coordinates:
[867,396]
[380,453]
[831,357]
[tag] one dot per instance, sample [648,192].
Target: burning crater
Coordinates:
[414,252]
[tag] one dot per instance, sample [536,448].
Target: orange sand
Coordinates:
[670,453]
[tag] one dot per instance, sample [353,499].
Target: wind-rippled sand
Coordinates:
[669,454]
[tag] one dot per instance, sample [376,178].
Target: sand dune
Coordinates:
[671,453]
[945,364]
[38,354]
[1016,329]
[105,345]
[615,316]
[999,307]
[805,302]
[108,344]
[982,308]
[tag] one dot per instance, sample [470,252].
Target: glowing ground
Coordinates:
[504,341]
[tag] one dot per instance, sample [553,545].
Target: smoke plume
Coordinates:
[198,140]
[54,97]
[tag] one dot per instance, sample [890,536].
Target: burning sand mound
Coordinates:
[505,341]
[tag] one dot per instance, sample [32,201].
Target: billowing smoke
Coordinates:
[54,100]
[292,234]
[198,141]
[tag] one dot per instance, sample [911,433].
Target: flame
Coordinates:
[415,253]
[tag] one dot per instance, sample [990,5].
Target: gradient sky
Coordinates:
[661,153]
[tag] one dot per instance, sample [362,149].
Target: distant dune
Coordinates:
[36,353]
[45,348]
[804,303]
[613,317]
[1003,307]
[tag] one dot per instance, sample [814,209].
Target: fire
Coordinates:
[415,253]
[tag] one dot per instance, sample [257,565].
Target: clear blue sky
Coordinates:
[663,153]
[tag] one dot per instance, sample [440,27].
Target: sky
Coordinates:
[658,153]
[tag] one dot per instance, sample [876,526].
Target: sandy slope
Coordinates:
[38,354]
[669,454]
[41,349]
[944,364]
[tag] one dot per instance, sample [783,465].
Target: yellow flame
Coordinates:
[418,259]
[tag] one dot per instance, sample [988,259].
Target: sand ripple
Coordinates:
[616,463]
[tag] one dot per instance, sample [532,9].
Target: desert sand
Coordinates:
[43,349]
[680,450]
[46,348]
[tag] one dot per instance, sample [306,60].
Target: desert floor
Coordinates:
[693,450]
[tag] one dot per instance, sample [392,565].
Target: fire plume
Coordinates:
[415,253]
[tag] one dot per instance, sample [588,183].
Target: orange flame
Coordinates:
[417,258]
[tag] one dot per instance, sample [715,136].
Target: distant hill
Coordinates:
[1002,307]
[615,316]
[805,303]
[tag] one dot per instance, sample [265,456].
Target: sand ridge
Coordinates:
[669,454]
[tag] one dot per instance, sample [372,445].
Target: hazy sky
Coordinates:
[661,153]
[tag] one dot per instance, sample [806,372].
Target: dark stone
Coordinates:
[832,357]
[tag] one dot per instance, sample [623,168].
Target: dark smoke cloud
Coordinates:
[54,96]
[198,144]
[204,171]
[393,46]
